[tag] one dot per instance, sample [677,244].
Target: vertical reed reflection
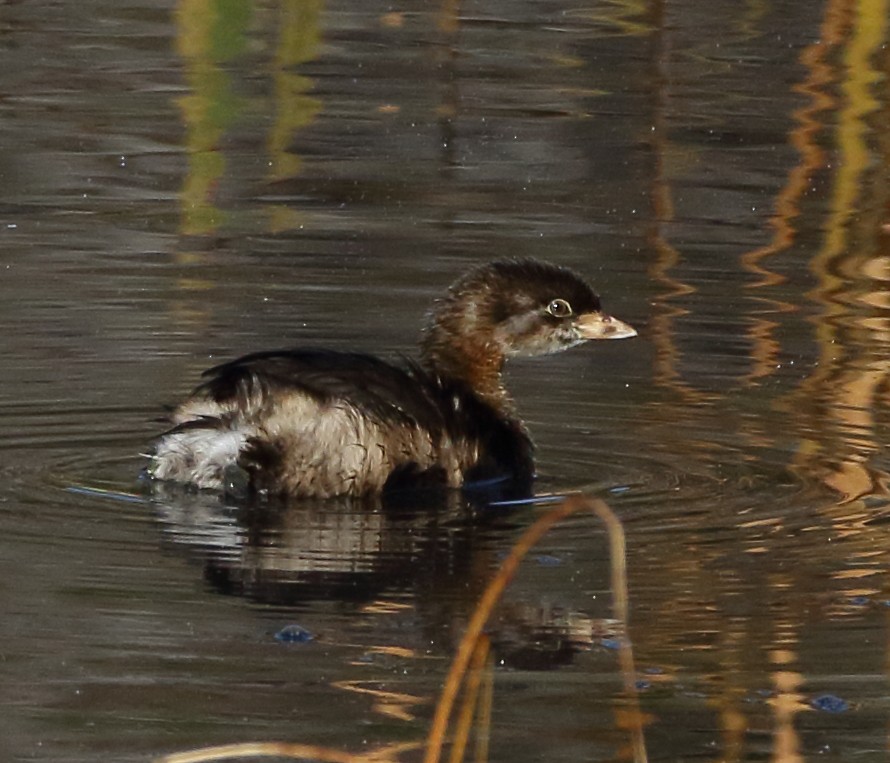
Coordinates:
[832,417]
[662,332]
[298,42]
[733,718]
[838,400]
[447,54]
[787,701]
[209,33]
[212,34]
[803,137]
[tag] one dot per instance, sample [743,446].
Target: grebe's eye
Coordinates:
[559,308]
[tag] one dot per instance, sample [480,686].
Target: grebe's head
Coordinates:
[519,307]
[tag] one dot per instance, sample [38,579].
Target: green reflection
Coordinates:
[299,43]
[294,108]
[628,17]
[210,32]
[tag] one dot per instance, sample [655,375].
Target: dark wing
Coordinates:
[379,389]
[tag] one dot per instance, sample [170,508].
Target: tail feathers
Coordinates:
[199,452]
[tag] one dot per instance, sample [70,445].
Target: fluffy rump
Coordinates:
[294,440]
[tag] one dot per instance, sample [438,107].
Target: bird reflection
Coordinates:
[436,547]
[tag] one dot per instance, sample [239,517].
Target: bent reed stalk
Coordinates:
[469,661]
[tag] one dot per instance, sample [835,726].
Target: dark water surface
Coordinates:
[186,182]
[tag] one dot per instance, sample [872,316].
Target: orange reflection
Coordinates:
[389,703]
[802,138]
[839,399]
[661,332]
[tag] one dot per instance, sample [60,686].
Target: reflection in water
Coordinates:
[745,444]
[666,366]
[283,554]
[803,137]
[845,383]
[448,110]
[832,409]
[293,553]
[211,32]
[212,35]
[294,109]
[839,398]
[787,703]
[627,16]
[310,553]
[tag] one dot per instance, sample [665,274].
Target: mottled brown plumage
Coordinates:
[321,423]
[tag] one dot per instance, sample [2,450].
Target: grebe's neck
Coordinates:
[470,357]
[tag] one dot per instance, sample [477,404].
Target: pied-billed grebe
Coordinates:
[319,423]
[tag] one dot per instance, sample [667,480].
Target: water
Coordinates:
[184,183]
